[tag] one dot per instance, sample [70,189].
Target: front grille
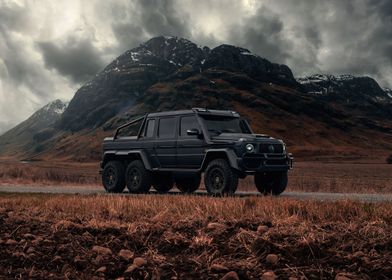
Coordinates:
[271,148]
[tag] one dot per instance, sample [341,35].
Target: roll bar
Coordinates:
[128,124]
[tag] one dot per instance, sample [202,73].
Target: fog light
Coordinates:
[249,148]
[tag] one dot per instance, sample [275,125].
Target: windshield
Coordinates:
[218,124]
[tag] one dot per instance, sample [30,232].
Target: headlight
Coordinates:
[249,148]
[284,148]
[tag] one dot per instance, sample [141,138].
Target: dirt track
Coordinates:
[85,190]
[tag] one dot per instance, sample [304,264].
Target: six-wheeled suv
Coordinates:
[174,148]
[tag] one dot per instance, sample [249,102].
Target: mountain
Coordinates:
[350,117]
[121,84]
[36,128]
[347,87]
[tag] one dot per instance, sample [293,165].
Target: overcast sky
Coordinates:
[49,48]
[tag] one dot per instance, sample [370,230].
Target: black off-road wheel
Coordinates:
[220,178]
[187,182]
[113,177]
[137,177]
[271,182]
[163,182]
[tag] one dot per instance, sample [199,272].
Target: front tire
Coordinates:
[188,182]
[113,177]
[220,178]
[271,182]
[138,178]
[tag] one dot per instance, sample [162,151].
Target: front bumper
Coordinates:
[252,163]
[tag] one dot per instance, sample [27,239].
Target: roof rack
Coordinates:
[200,109]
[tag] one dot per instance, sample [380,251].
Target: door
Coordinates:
[147,137]
[165,144]
[190,148]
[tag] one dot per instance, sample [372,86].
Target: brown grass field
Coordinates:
[189,237]
[306,176]
[192,237]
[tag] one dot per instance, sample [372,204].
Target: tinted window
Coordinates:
[189,122]
[167,128]
[150,128]
[219,124]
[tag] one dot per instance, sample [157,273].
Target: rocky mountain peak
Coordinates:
[345,86]
[53,109]
[238,59]
[163,49]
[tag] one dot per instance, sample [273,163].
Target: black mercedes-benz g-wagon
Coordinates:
[174,148]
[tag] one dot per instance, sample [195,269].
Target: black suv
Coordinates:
[167,148]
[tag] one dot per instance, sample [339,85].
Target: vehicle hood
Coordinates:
[245,137]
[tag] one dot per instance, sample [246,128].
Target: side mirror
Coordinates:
[193,131]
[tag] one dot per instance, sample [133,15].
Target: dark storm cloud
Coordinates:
[78,59]
[262,34]
[323,36]
[143,19]
[49,48]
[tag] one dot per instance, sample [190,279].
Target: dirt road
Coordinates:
[86,190]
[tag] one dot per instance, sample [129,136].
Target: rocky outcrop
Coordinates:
[348,87]
[242,60]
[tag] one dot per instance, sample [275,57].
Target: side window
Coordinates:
[167,128]
[149,132]
[188,122]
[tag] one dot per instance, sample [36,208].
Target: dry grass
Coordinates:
[48,173]
[306,176]
[188,237]
[173,208]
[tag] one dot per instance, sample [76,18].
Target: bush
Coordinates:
[389,159]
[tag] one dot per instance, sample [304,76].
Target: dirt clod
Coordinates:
[11,242]
[102,269]
[218,268]
[272,258]
[232,275]
[261,229]
[130,269]
[102,250]
[29,236]
[215,226]
[126,255]
[139,262]
[30,250]
[269,275]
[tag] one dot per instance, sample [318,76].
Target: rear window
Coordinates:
[167,128]
[188,122]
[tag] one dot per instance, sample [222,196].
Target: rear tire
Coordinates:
[271,182]
[113,177]
[137,177]
[220,178]
[187,182]
[163,182]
